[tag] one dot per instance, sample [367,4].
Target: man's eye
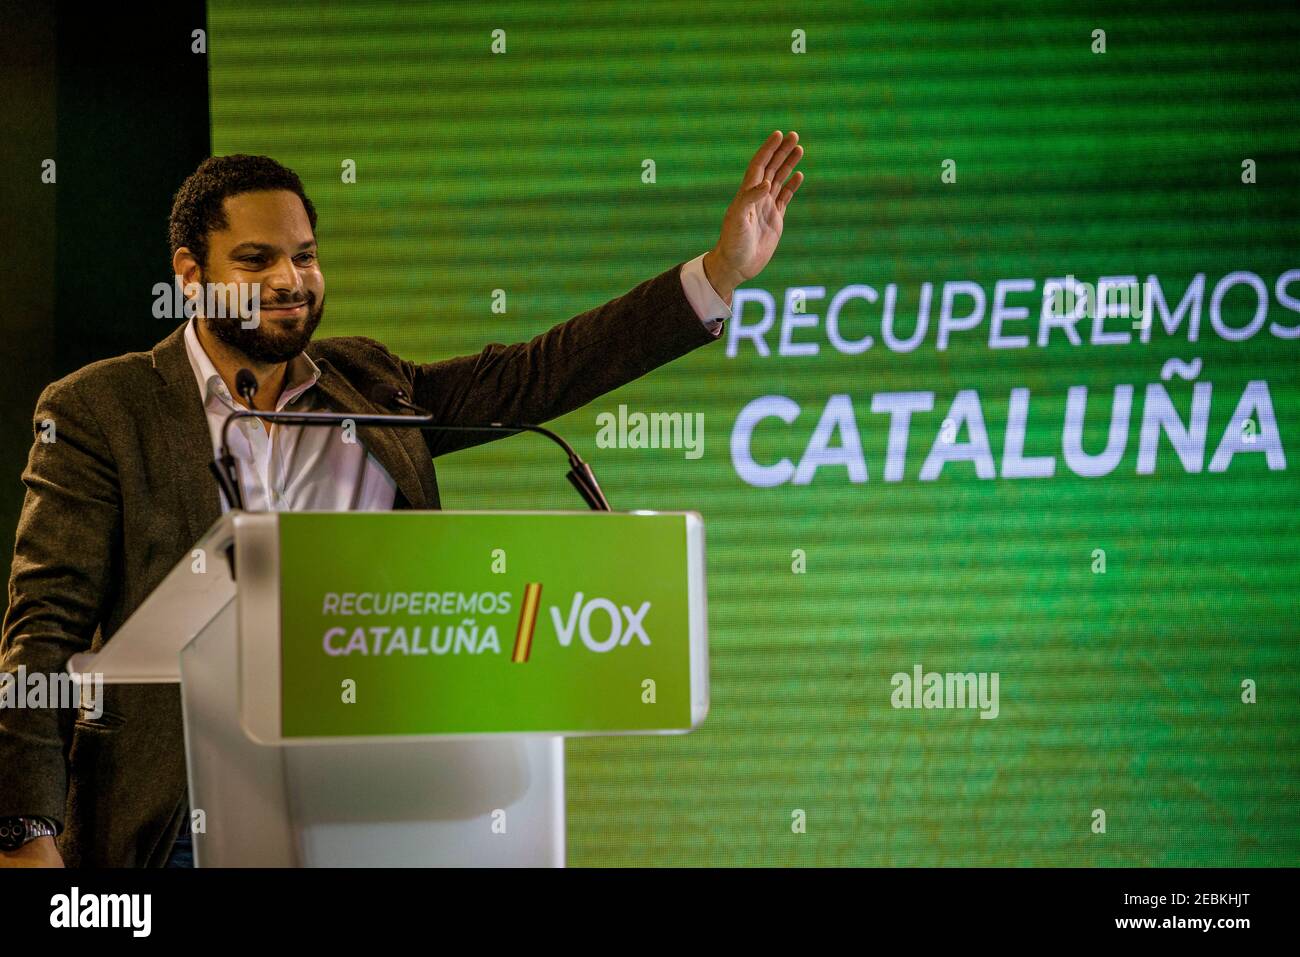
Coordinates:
[251,259]
[309,257]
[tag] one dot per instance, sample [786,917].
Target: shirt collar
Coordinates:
[300,375]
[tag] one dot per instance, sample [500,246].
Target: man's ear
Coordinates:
[185,265]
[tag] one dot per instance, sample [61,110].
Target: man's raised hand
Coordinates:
[751,227]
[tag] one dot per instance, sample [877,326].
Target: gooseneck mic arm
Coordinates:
[580,475]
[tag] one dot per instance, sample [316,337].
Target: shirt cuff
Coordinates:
[704,299]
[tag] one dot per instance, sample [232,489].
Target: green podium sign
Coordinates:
[468,623]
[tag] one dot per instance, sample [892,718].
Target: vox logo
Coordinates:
[600,623]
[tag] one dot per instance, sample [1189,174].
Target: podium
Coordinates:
[394,688]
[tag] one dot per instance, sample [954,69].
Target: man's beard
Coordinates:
[271,341]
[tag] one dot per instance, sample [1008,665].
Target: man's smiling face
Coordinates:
[269,242]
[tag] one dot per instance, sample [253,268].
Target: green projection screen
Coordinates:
[999,460]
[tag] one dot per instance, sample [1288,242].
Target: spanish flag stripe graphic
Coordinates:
[527,621]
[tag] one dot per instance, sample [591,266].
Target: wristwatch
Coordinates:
[17,831]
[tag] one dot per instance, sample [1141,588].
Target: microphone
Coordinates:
[580,475]
[223,467]
[246,385]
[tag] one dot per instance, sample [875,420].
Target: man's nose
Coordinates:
[283,282]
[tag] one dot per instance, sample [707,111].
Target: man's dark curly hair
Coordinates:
[197,208]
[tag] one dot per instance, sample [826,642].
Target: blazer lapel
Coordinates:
[184,433]
[393,448]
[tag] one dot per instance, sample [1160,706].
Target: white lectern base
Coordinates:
[483,802]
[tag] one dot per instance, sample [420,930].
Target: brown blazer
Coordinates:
[125,490]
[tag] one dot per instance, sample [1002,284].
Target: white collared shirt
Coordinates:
[291,468]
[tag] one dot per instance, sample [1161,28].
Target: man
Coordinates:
[118,487]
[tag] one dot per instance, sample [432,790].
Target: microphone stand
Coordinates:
[580,475]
